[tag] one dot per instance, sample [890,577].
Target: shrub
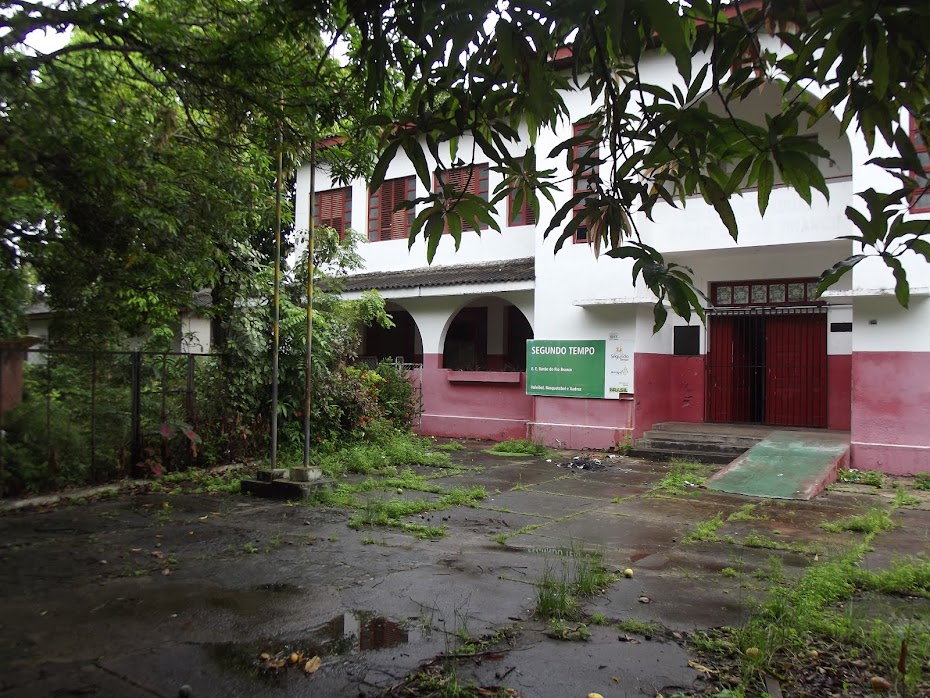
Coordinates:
[43,449]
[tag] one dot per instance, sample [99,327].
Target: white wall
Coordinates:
[881,324]
[792,240]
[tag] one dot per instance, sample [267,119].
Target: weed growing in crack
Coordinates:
[639,627]
[581,575]
[756,540]
[450,446]
[871,522]
[871,478]
[903,498]
[682,478]
[922,481]
[561,630]
[705,530]
[744,513]
[520,447]
[831,608]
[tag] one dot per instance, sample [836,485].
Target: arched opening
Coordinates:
[401,341]
[488,334]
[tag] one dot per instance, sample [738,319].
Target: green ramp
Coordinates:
[786,465]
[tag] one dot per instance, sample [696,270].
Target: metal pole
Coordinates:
[277,294]
[309,337]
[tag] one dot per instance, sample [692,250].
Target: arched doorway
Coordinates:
[402,341]
[488,334]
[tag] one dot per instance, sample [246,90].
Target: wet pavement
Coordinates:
[141,594]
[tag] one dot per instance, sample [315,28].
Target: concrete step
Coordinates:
[751,430]
[745,442]
[664,454]
[693,446]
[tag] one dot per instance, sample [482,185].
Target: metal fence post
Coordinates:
[136,409]
[93,416]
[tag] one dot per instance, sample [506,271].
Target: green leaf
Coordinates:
[377,176]
[714,195]
[902,289]
[766,181]
[433,233]
[664,18]
[415,152]
[837,271]
[660,314]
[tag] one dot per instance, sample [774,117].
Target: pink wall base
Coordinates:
[891,412]
[839,391]
[473,427]
[581,422]
[668,389]
[473,404]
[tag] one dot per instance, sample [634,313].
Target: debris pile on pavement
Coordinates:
[585,463]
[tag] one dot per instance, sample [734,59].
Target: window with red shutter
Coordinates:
[525,215]
[920,203]
[583,175]
[472,179]
[384,223]
[334,209]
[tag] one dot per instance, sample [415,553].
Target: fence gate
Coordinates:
[767,366]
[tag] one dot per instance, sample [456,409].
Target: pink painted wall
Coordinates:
[891,411]
[492,407]
[668,389]
[581,422]
[839,392]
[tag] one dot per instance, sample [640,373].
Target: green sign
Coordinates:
[566,368]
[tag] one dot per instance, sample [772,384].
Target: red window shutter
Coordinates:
[384,223]
[473,179]
[920,200]
[334,209]
[582,176]
[525,215]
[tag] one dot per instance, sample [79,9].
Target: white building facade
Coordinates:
[770,352]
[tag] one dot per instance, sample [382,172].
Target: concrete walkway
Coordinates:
[141,594]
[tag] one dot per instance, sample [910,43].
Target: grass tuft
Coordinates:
[682,478]
[871,478]
[519,447]
[706,530]
[873,521]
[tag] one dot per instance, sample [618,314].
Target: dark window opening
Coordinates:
[518,332]
[687,341]
[466,347]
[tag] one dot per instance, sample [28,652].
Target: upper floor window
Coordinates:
[920,203]
[472,179]
[384,222]
[584,173]
[524,215]
[334,209]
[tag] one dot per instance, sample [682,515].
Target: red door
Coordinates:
[796,370]
[729,369]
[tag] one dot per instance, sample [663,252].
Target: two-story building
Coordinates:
[770,353]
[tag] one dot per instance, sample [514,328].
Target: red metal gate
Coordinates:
[767,365]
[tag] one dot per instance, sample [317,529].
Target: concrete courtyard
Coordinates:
[141,594]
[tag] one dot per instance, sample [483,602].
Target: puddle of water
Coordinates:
[348,633]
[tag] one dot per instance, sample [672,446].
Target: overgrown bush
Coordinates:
[42,449]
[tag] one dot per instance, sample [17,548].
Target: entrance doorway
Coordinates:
[767,366]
